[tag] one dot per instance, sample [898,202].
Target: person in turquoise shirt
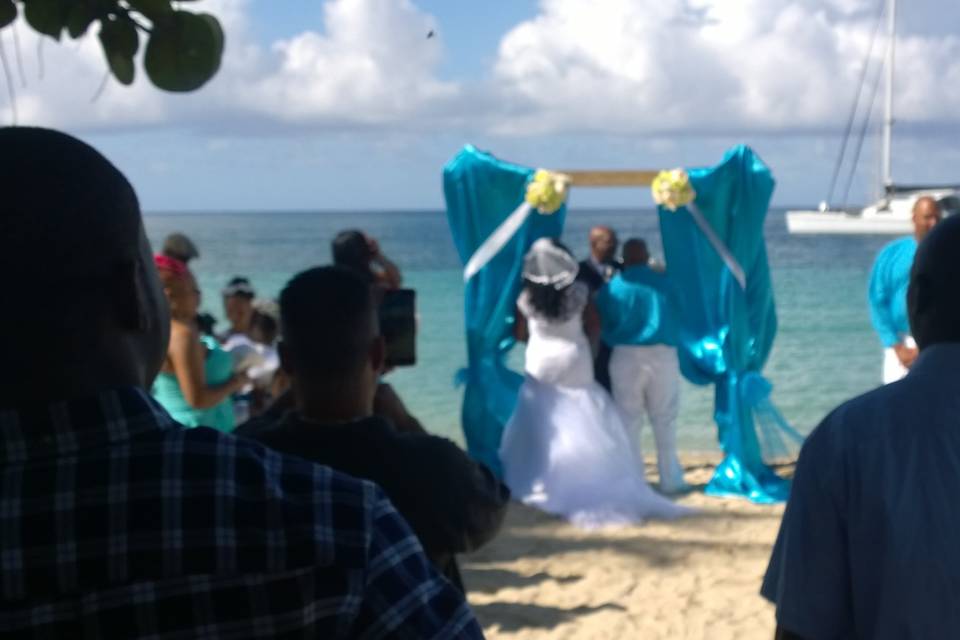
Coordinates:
[639,319]
[887,294]
[197,379]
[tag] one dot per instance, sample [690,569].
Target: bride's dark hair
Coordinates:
[545,298]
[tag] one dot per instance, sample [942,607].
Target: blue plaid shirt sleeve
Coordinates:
[117,522]
[404,596]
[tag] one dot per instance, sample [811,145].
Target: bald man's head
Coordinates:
[635,252]
[603,244]
[84,276]
[926,215]
[63,199]
[932,299]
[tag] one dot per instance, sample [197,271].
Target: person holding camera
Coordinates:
[361,253]
[333,352]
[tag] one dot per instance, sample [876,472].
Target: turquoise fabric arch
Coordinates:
[726,332]
[481,191]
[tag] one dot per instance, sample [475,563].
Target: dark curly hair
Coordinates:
[351,250]
[546,299]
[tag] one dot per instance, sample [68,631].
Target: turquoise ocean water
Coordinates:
[825,351]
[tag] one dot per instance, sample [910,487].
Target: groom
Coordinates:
[639,314]
[595,272]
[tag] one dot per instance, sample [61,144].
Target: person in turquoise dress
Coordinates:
[887,292]
[197,379]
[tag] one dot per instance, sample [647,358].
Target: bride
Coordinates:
[565,449]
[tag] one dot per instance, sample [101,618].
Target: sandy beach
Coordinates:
[694,578]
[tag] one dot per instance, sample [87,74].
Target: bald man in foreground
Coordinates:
[888,292]
[868,544]
[118,522]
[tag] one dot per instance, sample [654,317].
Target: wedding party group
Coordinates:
[601,358]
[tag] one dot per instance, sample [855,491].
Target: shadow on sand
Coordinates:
[510,616]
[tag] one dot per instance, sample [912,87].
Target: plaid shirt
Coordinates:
[117,522]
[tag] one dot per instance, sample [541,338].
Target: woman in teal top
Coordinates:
[197,379]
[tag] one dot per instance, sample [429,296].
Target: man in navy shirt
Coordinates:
[868,544]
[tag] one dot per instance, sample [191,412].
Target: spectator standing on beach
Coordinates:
[361,253]
[238,298]
[639,319]
[333,353]
[868,543]
[117,521]
[180,247]
[197,378]
[269,381]
[595,272]
[888,292]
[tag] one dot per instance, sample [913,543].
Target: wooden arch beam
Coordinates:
[610,178]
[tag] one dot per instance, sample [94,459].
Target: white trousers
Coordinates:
[646,380]
[893,370]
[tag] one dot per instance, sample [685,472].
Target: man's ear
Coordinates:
[378,353]
[286,358]
[129,295]
[920,295]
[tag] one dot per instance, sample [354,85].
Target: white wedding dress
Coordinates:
[566,449]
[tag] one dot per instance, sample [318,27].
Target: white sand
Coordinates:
[694,578]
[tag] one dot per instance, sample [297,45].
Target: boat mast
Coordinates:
[888,106]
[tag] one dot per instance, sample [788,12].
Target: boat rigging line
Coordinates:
[856,105]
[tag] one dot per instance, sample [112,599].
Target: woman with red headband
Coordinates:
[197,379]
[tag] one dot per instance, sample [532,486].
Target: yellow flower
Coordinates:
[547,191]
[672,189]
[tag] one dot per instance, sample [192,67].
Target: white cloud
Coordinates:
[371,65]
[613,66]
[708,65]
[374,64]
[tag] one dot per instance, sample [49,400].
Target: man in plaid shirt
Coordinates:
[115,521]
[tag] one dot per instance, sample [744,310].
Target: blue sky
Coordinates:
[343,104]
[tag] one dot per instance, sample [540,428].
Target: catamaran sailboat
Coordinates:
[893,212]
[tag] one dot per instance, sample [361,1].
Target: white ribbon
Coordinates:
[721,249]
[496,241]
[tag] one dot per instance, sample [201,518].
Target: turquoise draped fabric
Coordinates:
[727,332]
[481,191]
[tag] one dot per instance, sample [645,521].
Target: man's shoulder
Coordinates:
[373,432]
[907,244]
[863,419]
[291,427]
[275,498]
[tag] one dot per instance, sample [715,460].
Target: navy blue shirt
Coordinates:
[868,547]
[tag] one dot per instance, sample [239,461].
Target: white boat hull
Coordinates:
[834,222]
[890,216]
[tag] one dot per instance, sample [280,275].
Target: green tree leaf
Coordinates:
[48,17]
[119,35]
[8,12]
[184,51]
[81,16]
[153,9]
[120,41]
[122,68]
